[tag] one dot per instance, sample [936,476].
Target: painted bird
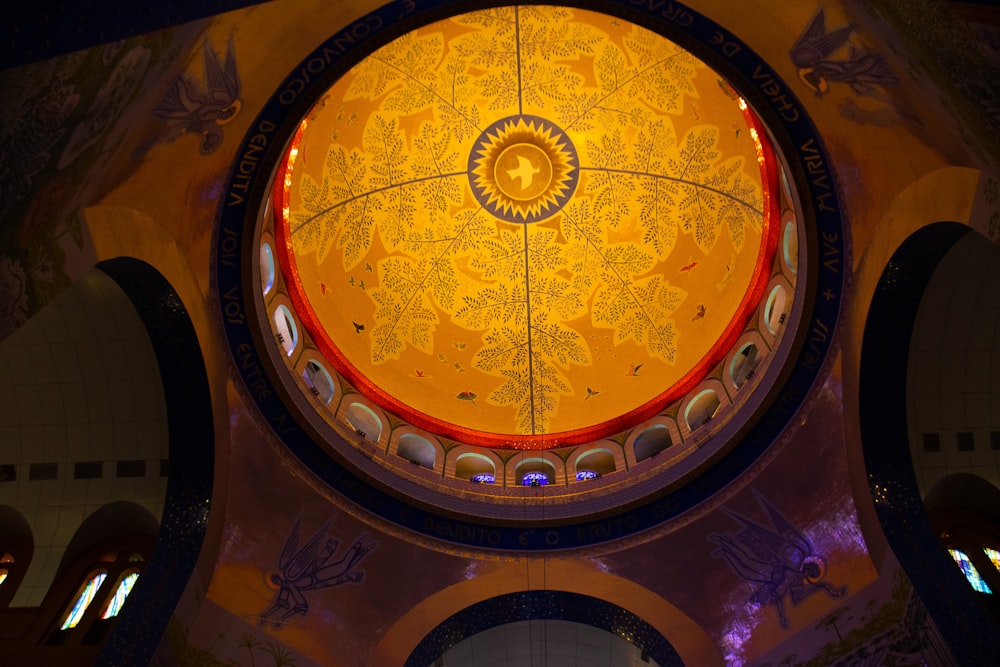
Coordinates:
[633,369]
[525,171]
[590,392]
[358,328]
[699,312]
[688,268]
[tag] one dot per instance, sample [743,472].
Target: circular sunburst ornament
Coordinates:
[523,169]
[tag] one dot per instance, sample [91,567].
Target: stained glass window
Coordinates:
[83,600]
[118,599]
[969,570]
[484,478]
[994,556]
[586,474]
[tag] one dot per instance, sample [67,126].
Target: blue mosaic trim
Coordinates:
[548,606]
[969,631]
[190,425]
[773,101]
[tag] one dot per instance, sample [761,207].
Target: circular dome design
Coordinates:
[527,226]
[523,169]
[360,436]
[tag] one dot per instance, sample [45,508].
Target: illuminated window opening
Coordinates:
[471,465]
[970,571]
[117,600]
[774,309]
[287,332]
[83,599]
[994,556]
[743,365]
[266,268]
[7,559]
[417,449]
[651,442]
[319,381]
[586,474]
[701,409]
[790,246]
[364,421]
[600,461]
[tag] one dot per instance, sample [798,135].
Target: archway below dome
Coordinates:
[520,627]
[966,627]
[549,642]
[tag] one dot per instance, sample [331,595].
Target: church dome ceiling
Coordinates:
[527,227]
[526,246]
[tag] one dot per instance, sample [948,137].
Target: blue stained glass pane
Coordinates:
[484,478]
[586,474]
[535,479]
[118,600]
[970,571]
[83,600]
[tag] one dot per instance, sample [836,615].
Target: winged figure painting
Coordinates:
[198,109]
[813,52]
[313,567]
[777,560]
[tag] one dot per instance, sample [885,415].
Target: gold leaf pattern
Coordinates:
[395,194]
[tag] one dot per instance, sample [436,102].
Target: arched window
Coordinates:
[117,600]
[88,591]
[417,449]
[994,556]
[16,551]
[5,562]
[98,600]
[651,442]
[970,571]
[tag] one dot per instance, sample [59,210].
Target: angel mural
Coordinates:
[777,560]
[313,567]
[812,54]
[865,71]
[190,107]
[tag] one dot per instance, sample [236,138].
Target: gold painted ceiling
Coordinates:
[527,226]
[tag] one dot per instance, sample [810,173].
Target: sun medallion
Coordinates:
[523,169]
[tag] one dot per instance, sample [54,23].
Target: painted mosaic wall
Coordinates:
[63,123]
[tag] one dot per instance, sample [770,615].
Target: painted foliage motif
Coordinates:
[529,176]
[777,560]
